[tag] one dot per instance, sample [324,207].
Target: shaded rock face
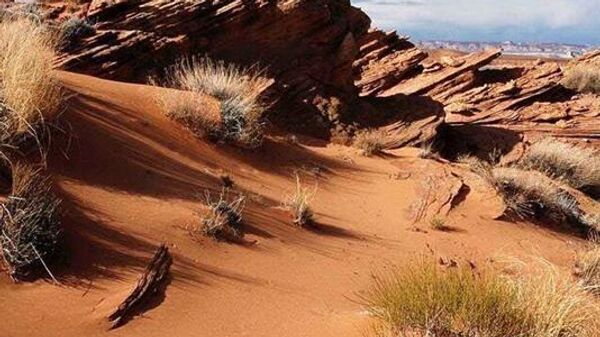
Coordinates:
[489,106]
[308,46]
[335,74]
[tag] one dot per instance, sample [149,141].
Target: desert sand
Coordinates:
[130,178]
[134,179]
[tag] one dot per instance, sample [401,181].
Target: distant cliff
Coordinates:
[547,50]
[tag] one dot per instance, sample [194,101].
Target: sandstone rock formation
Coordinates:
[334,73]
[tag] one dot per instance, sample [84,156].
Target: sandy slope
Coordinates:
[132,179]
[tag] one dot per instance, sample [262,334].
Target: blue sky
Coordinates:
[567,21]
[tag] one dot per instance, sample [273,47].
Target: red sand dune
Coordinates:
[131,179]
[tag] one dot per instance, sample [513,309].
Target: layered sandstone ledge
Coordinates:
[333,72]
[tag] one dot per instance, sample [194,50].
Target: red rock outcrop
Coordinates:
[334,73]
[308,45]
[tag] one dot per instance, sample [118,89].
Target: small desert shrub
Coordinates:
[370,142]
[423,300]
[73,30]
[577,166]
[187,108]
[556,305]
[530,194]
[427,151]
[29,92]
[29,222]
[583,78]
[438,224]
[30,11]
[238,90]
[224,218]
[226,181]
[588,268]
[299,204]
[478,166]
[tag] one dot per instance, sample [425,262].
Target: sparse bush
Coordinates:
[189,109]
[238,90]
[438,224]
[370,142]
[583,78]
[530,194]
[30,11]
[427,151]
[29,222]
[425,301]
[299,204]
[224,218]
[73,30]
[226,180]
[577,166]
[29,92]
[555,304]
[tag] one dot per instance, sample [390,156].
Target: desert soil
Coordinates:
[132,179]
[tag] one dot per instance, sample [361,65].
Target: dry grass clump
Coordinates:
[223,221]
[423,300]
[557,306]
[577,166]
[438,224]
[29,222]
[530,194]
[73,30]
[30,11]
[370,142]
[188,108]
[583,78]
[299,204]
[238,89]
[427,151]
[28,89]
[588,268]
[29,92]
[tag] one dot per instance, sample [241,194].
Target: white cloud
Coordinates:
[482,13]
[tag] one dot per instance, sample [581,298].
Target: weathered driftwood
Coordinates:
[148,284]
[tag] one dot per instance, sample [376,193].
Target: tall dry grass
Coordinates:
[588,267]
[528,192]
[29,91]
[29,222]
[422,300]
[577,166]
[370,142]
[299,204]
[531,194]
[237,88]
[583,78]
